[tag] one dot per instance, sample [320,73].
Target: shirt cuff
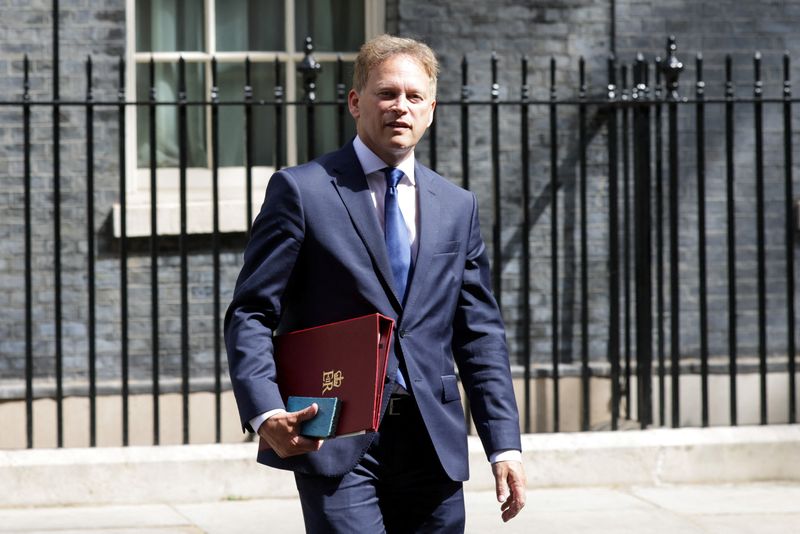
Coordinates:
[257,421]
[512,455]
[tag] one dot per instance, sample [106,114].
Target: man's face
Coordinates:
[394,109]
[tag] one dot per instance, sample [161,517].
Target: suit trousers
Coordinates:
[398,487]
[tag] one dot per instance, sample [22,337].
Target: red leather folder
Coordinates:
[346,359]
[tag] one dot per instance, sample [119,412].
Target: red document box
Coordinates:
[346,359]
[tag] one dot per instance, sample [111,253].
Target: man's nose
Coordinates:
[400,105]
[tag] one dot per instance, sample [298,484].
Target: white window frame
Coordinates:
[232,188]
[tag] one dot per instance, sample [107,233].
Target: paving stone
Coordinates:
[771,498]
[686,509]
[154,516]
[245,517]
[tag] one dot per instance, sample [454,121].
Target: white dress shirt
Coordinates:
[406,189]
[373,167]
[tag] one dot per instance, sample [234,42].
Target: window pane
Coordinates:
[231,78]
[250,25]
[166,83]
[335,25]
[326,116]
[170,25]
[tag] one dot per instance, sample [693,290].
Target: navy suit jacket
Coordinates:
[317,255]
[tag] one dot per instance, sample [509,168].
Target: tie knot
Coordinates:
[393,176]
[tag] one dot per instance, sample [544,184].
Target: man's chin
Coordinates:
[401,143]
[401,151]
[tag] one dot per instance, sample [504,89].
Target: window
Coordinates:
[230,31]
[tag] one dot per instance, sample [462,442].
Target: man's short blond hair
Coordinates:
[377,50]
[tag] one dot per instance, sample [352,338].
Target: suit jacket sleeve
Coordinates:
[479,347]
[257,305]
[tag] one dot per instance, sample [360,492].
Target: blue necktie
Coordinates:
[398,244]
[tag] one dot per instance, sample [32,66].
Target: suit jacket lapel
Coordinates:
[428,234]
[351,184]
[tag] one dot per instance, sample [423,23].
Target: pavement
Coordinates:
[762,508]
[712,480]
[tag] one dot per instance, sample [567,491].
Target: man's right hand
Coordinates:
[282,432]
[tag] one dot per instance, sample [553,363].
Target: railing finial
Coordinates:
[672,68]
[308,69]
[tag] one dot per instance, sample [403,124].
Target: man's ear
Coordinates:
[352,103]
[430,117]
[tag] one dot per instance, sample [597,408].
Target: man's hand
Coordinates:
[509,482]
[282,432]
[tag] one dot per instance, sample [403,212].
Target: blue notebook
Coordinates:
[323,425]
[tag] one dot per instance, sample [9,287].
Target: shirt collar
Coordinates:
[370,162]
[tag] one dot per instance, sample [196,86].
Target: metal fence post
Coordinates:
[215,248]
[465,94]
[279,96]
[526,256]
[701,235]
[123,257]
[659,206]
[341,100]
[554,333]
[790,235]
[730,195]
[624,254]
[26,128]
[183,244]
[248,142]
[497,212]
[154,244]
[672,68]
[613,243]
[584,236]
[642,230]
[308,69]
[57,270]
[761,240]
[90,257]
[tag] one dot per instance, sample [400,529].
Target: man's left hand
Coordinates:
[509,482]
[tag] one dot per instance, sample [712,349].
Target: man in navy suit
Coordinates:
[369,229]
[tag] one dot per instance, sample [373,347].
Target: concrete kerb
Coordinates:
[664,456]
[195,473]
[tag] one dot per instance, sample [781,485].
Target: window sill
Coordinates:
[199,202]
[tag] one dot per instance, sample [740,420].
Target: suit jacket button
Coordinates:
[402,333]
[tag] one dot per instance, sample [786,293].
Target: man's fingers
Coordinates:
[510,487]
[512,506]
[281,432]
[307,413]
[501,488]
[515,502]
[298,445]
[302,445]
[500,472]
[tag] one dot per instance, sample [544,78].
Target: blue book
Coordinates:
[323,425]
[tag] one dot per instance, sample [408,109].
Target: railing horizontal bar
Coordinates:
[234,57]
[570,102]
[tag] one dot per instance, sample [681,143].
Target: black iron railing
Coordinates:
[640,152]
